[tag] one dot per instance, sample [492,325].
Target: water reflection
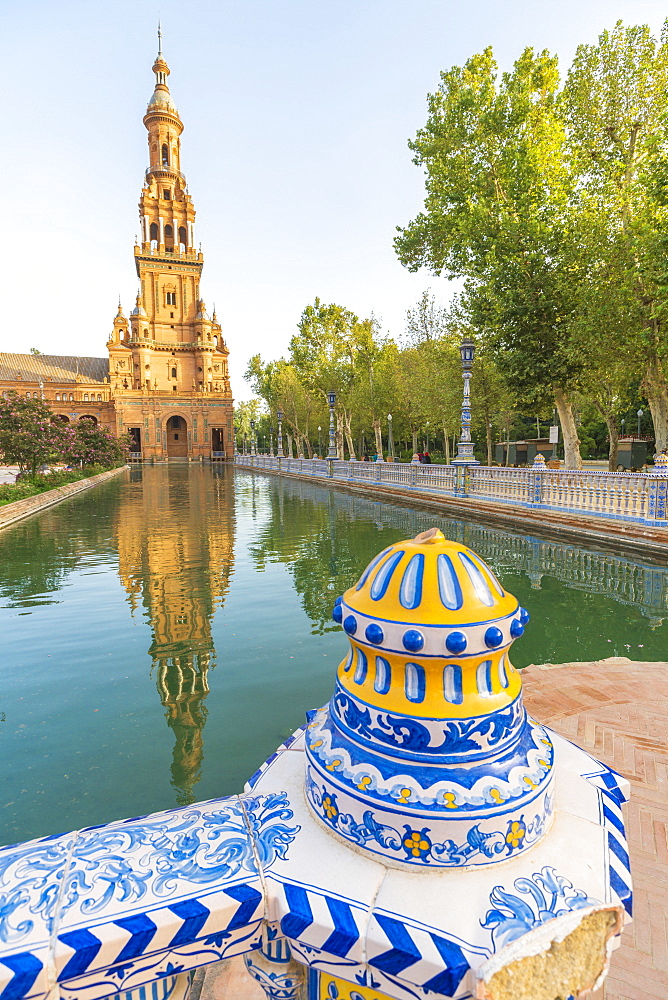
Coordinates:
[323,535]
[175,556]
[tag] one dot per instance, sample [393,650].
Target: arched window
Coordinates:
[183,236]
[165,155]
[99,397]
[215,341]
[58,397]
[146,334]
[153,232]
[169,231]
[71,397]
[85,397]
[28,395]
[173,372]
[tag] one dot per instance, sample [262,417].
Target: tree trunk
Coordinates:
[340,454]
[446,445]
[506,456]
[349,437]
[415,444]
[572,457]
[613,436]
[488,425]
[379,439]
[289,437]
[657,396]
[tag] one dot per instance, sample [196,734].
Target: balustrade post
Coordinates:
[657,493]
[330,468]
[537,470]
[462,481]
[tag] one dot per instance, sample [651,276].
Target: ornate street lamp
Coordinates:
[465,445]
[390,437]
[271,440]
[279,448]
[252,427]
[245,439]
[427,448]
[623,422]
[319,442]
[331,399]
[639,415]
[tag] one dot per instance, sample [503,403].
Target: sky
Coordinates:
[297,119]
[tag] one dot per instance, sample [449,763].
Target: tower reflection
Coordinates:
[176,554]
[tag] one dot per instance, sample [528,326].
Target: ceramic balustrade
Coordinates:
[640,497]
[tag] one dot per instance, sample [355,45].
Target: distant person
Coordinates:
[421,458]
[426,458]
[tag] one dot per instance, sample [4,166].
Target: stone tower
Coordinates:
[168,364]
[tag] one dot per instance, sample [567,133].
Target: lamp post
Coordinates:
[271,440]
[390,438]
[245,439]
[639,415]
[252,427]
[236,434]
[279,448]
[623,422]
[319,442]
[427,448]
[465,445]
[331,399]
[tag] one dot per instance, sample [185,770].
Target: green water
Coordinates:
[162,633]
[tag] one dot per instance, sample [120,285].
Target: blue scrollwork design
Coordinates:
[140,858]
[544,896]
[459,736]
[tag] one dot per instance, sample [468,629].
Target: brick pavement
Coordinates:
[617,710]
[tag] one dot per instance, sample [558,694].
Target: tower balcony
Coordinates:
[168,253]
[163,171]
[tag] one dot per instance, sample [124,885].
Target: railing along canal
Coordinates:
[640,497]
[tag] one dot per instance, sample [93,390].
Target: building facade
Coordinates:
[166,378]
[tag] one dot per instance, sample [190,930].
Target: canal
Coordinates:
[164,632]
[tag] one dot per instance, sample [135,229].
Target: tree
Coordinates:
[29,436]
[615,106]
[498,184]
[88,444]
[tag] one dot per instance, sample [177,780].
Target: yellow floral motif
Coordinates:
[333,766]
[363,782]
[329,807]
[496,796]
[530,783]
[318,743]
[516,834]
[416,843]
[449,800]
[404,795]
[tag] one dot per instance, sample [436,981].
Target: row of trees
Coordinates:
[30,436]
[549,198]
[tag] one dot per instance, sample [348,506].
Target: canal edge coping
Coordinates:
[16,511]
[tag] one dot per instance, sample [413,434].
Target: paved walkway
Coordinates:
[617,709]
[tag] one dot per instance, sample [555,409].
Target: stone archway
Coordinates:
[176,432]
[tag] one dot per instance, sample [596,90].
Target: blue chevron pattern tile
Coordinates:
[23,974]
[418,956]
[329,923]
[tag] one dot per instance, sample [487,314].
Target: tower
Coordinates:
[169,365]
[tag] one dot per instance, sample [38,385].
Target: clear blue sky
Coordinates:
[297,116]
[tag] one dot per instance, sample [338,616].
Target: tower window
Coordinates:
[183,236]
[173,372]
[58,397]
[166,194]
[154,231]
[165,155]
[169,231]
[171,298]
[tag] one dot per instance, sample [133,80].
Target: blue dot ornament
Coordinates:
[516,628]
[337,614]
[374,633]
[456,642]
[493,637]
[350,624]
[413,640]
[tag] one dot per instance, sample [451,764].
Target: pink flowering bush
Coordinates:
[28,435]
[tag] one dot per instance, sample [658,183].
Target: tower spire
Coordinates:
[159,39]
